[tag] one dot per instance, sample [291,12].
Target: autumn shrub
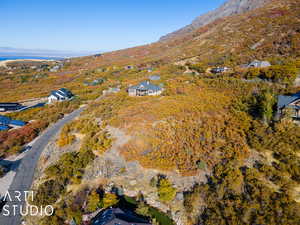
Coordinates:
[166,192]
[48,192]
[280,73]
[93,201]
[65,138]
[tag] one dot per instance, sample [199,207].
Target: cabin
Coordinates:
[145,88]
[10,106]
[62,94]
[118,216]
[258,64]
[291,103]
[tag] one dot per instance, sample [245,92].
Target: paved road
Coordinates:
[25,172]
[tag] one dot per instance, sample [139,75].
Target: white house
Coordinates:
[60,95]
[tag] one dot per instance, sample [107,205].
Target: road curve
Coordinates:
[25,172]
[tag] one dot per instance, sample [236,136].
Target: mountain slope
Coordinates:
[229,8]
[266,32]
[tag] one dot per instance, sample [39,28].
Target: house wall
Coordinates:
[131,92]
[52,98]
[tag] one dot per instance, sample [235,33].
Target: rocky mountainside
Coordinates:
[229,8]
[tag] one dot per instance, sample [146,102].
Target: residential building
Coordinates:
[6,123]
[10,106]
[111,90]
[154,77]
[219,70]
[289,103]
[129,67]
[60,95]
[259,64]
[4,127]
[145,88]
[117,216]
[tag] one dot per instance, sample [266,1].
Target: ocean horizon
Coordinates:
[2,58]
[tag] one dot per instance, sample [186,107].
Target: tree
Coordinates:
[266,104]
[109,199]
[93,201]
[142,209]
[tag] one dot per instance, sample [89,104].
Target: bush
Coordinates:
[166,192]
[109,199]
[284,74]
[48,193]
[93,201]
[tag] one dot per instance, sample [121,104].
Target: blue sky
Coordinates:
[94,24]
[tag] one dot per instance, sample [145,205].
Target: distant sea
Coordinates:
[28,57]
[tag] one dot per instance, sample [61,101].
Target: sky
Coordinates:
[94,25]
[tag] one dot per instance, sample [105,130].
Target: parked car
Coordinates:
[26,148]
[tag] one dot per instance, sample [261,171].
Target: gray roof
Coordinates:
[146,85]
[154,77]
[118,216]
[285,100]
[257,63]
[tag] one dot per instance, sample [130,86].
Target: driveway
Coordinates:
[24,167]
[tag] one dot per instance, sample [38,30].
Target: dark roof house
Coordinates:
[144,88]
[5,122]
[117,216]
[219,69]
[289,102]
[10,106]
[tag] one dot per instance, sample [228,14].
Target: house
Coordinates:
[56,67]
[145,88]
[97,55]
[10,106]
[111,90]
[60,95]
[6,123]
[219,70]
[154,77]
[291,102]
[129,67]
[4,127]
[259,64]
[118,216]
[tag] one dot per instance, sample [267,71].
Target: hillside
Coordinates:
[231,40]
[229,8]
[208,150]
